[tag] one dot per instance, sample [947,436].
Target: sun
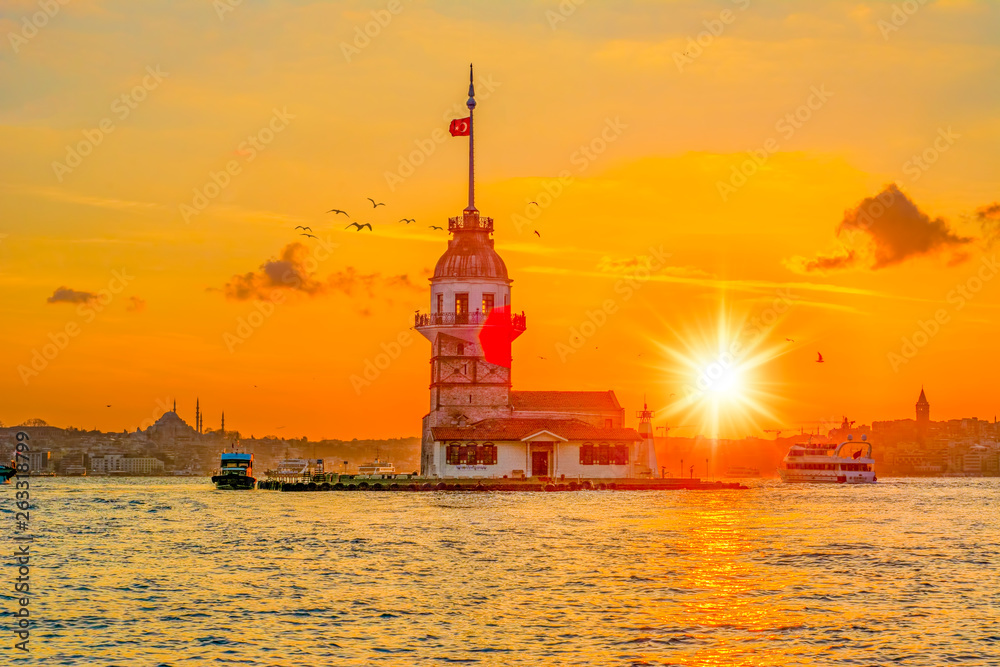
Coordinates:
[718,377]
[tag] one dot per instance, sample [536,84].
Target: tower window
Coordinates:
[462,307]
[461,349]
[440,303]
[609,423]
[487,303]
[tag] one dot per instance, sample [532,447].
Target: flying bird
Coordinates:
[408,220]
[541,357]
[337,210]
[436,227]
[535,203]
[109,406]
[360,227]
[790,340]
[374,205]
[301,227]
[309,235]
[819,359]
[537,234]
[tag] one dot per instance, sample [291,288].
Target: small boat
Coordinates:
[6,472]
[822,463]
[235,471]
[377,467]
[741,472]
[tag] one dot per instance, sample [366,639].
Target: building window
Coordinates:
[461,349]
[440,303]
[454,452]
[621,454]
[489,454]
[462,308]
[469,454]
[587,454]
[609,423]
[487,303]
[604,454]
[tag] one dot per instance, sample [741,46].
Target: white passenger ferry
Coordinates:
[822,463]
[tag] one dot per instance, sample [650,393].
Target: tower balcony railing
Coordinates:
[467,222]
[474,318]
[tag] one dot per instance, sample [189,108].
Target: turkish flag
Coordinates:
[460,127]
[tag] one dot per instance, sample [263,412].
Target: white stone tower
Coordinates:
[470,281]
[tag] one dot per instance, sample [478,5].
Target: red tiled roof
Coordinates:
[564,400]
[516,429]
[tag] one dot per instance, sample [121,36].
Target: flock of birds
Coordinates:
[358,226]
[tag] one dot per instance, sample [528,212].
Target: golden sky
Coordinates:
[159,155]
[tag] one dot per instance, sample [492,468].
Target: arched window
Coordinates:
[587,454]
[489,454]
[621,454]
[469,454]
[454,452]
[604,454]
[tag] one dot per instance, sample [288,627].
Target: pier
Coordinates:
[336,482]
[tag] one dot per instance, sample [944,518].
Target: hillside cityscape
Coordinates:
[173,447]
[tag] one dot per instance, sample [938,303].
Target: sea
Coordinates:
[160,571]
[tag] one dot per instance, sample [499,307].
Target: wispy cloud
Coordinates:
[58,194]
[67,295]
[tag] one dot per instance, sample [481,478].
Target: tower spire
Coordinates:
[223,428]
[471,103]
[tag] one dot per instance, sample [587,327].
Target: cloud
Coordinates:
[136,304]
[886,230]
[292,273]
[66,295]
[989,219]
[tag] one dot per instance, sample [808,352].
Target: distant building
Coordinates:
[923,412]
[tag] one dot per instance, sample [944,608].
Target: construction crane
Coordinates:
[775,431]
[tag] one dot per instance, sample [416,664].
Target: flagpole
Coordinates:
[472,105]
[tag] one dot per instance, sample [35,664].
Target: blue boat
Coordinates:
[235,471]
[6,472]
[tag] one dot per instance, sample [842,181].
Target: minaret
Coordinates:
[223,427]
[470,280]
[175,406]
[197,415]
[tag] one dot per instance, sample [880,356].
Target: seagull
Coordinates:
[309,235]
[374,205]
[301,227]
[537,234]
[538,357]
[109,406]
[360,227]
[436,227]
[671,395]
[535,203]
[337,210]
[408,220]
[819,360]
[790,340]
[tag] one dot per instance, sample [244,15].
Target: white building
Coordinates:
[477,425]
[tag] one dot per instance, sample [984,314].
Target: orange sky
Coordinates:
[336,114]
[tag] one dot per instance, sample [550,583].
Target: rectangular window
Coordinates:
[609,423]
[489,454]
[440,303]
[462,308]
[587,454]
[454,451]
[487,303]
[604,454]
[621,455]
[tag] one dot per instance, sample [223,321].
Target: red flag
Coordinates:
[460,127]
[857,454]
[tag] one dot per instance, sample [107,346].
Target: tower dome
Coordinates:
[470,254]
